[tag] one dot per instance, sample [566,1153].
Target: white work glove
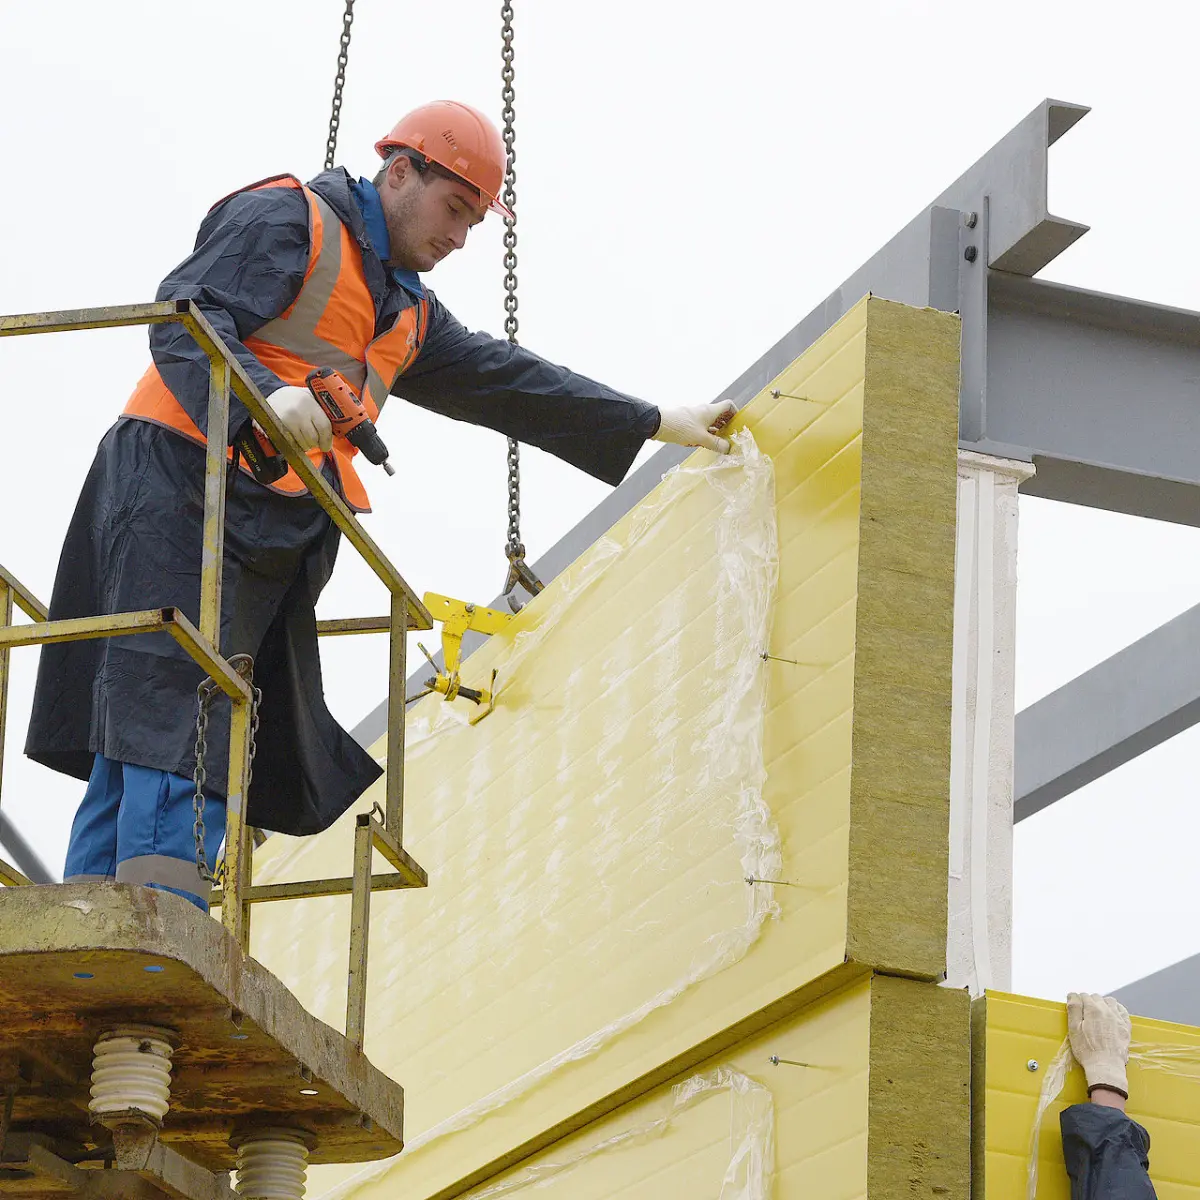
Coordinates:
[696,426]
[1100,1032]
[302,417]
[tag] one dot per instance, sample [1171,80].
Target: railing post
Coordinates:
[397,658]
[213,552]
[9,875]
[6,618]
[235,905]
[360,930]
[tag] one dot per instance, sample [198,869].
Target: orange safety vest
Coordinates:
[331,323]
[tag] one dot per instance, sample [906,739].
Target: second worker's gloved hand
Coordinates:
[1100,1032]
[696,426]
[302,417]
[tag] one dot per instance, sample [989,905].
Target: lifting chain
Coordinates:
[243,664]
[339,82]
[519,571]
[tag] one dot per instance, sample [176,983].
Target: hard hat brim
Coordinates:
[383,147]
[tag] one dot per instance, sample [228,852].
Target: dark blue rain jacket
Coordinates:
[247,268]
[134,541]
[1107,1154]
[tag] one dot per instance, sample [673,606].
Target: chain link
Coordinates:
[339,83]
[514,549]
[519,571]
[204,698]
[243,664]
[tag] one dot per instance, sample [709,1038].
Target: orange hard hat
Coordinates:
[459,138]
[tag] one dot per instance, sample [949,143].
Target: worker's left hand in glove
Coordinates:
[1100,1032]
[302,417]
[696,426]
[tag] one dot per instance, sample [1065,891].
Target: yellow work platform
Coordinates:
[79,959]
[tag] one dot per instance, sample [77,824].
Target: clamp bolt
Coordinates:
[1031,1065]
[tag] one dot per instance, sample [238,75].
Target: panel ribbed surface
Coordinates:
[879,1108]
[737,1127]
[1164,1096]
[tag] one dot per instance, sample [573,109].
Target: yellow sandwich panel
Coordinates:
[1011,1032]
[869,1098]
[662,840]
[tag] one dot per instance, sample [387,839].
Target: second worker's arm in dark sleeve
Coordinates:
[248,266]
[1107,1154]
[480,379]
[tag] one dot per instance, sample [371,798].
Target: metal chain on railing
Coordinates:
[204,697]
[243,664]
[518,570]
[339,83]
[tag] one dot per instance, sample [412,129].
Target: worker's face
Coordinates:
[428,216]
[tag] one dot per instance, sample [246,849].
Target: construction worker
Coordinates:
[293,276]
[1106,1152]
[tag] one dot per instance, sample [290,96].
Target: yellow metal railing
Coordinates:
[380,830]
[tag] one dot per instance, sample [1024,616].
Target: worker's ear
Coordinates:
[398,171]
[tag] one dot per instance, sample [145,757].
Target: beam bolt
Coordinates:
[971,219]
[970,254]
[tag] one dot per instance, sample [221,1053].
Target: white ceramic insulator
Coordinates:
[131,1070]
[271,1165]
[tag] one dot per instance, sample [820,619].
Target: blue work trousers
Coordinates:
[135,826]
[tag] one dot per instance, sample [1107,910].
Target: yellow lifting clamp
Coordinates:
[457,617]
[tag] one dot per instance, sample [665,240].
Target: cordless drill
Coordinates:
[347,414]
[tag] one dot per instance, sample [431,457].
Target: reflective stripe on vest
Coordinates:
[330,323]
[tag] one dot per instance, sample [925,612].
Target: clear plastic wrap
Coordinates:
[751,1142]
[1183,1061]
[730,745]
[1052,1085]
[688,678]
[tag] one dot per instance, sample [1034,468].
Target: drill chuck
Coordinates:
[367,440]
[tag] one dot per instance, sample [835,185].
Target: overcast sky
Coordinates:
[692,180]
